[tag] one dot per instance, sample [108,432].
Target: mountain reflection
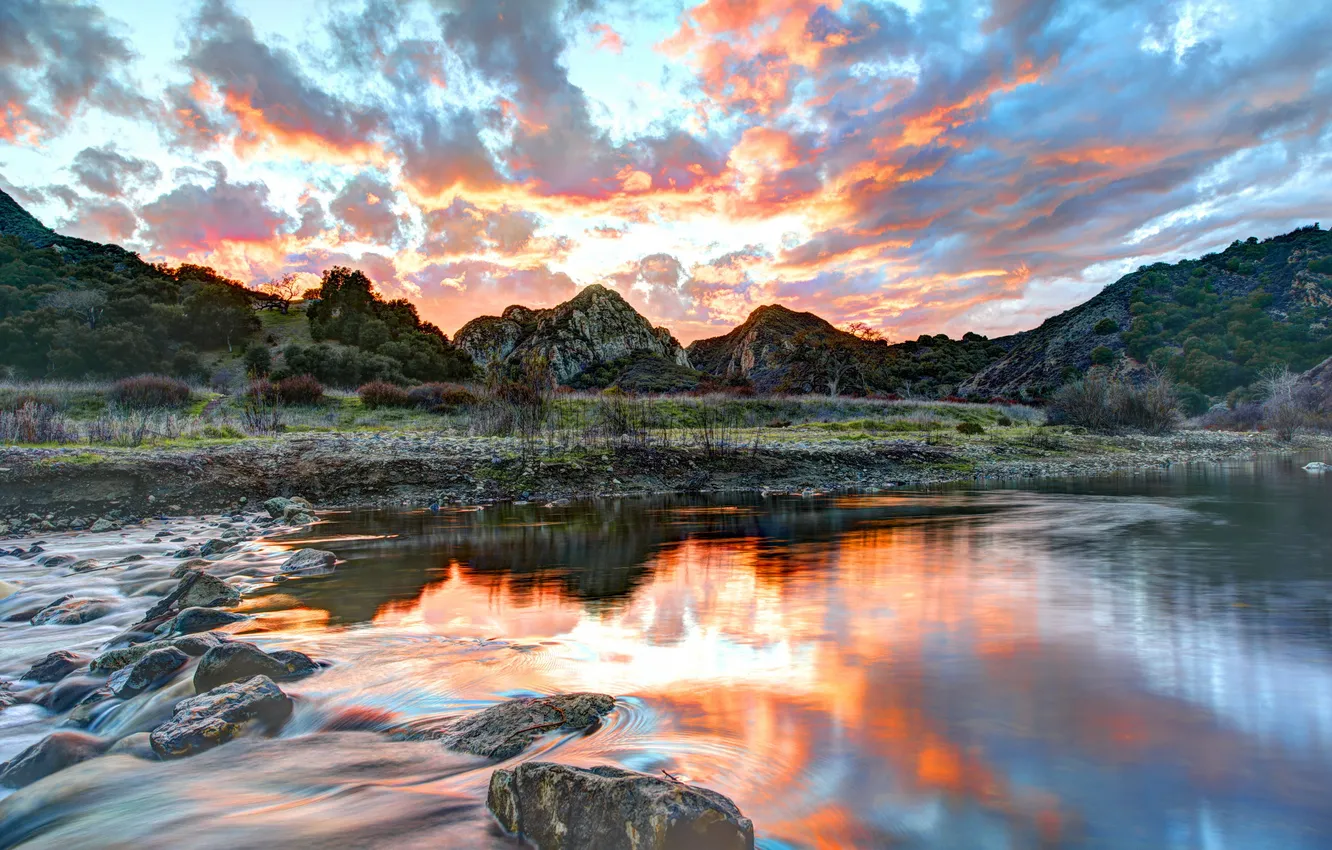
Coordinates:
[955,668]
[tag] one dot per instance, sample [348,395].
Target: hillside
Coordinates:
[18,222]
[1214,324]
[597,326]
[778,349]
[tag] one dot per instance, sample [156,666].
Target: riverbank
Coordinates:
[50,488]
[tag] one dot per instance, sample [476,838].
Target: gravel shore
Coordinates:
[358,468]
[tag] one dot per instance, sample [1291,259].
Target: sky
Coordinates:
[931,166]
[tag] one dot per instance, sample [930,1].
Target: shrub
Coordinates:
[1102,356]
[258,361]
[300,389]
[1106,326]
[969,428]
[383,394]
[1102,402]
[35,423]
[441,398]
[149,392]
[262,391]
[1003,421]
[20,400]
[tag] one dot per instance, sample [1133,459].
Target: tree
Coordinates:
[86,305]
[861,330]
[283,290]
[220,313]
[824,359]
[258,361]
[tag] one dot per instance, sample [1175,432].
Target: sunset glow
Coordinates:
[922,167]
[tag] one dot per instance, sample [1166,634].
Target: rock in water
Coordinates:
[276,505]
[55,666]
[214,718]
[194,645]
[56,751]
[234,662]
[72,612]
[1316,466]
[193,620]
[558,807]
[505,730]
[148,672]
[308,561]
[195,590]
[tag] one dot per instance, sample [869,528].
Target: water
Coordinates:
[1134,661]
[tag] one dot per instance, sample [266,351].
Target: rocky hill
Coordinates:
[771,350]
[1214,324]
[596,326]
[16,221]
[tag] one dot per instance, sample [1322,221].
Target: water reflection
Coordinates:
[1137,662]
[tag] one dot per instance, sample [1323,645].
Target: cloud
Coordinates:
[609,38]
[365,209]
[108,172]
[194,218]
[463,228]
[57,59]
[453,293]
[101,221]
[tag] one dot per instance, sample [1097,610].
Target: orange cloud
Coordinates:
[610,39]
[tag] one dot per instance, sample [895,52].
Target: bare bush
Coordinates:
[149,392]
[1104,402]
[35,423]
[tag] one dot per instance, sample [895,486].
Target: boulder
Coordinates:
[216,717]
[148,672]
[55,560]
[238,661]
[192,645]
[309,561]
[214,546]
[505,730]
[55,666]
[72,612]
[139,745]
[193,620]
[1316,466]
[192,565]
[559,807]
[55,752]
[103,525]
[195,590]
[276,505]
[69,692]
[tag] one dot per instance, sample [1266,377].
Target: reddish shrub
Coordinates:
[383,394]
[262,391]
[149,392]
[956,399]
[300,389]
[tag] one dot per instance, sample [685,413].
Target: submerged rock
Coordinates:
[192,645]
[55,666]
[505,730]
[55,752]
[147,673]
[69,692]
[220,715]
[234,662]
[1316,466]
[559,807]
[193,620]
[309,560]
[139,745]
[72,612]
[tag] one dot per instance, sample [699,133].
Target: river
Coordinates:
[1134,661]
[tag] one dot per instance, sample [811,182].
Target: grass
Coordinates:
[577,420]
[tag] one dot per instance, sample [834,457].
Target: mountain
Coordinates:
[1213,324]
[780,349]
[597,326]
[16,221]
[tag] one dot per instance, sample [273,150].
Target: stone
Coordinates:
[298,664]
[1316,466]
[56,560]
[560,807]
[220,715]
[190,566]
[195,590]
[237,661]
[55,666]
[72,612]
[505,730]
[85,565]
[148,672]
[193,620]
[214,546]
[69,692]
[192,645]
[139,745]
[276,505]
[103,525]
[131,559]
[309,560]
[53,753]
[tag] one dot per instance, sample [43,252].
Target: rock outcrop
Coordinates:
[221,715]
[559,807]
[595,326]
[760,348]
